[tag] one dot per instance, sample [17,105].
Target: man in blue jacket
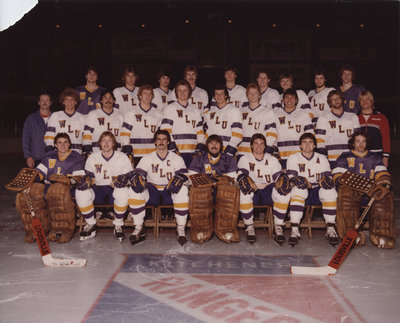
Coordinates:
[34,130]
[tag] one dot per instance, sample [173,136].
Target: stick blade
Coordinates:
[316,271]
[50,261]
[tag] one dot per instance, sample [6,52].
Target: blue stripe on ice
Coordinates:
[214,264]
[122,304]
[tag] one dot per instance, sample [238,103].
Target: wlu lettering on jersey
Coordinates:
[98,168]
[223,123]
[256,125]
[52,163]
[101,121]
[155,168]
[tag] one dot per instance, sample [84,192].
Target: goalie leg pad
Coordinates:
[348,209]
[200,210]
[382,226]
[36,195]
[226,213]
[61,209]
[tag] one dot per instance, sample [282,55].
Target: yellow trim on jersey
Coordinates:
[320,140]
[159,186]
[143,151]
[181,205]
[237,134]
[282,206]
[120,209]
[337,176]
[215,161]
[62,159]
[136,202]
[86,209]
[186,146]
[333,157]
[87,137]
[272,134]
[49,137]
[246,206]
[358,154]
[127,134]
[244,149]
[329,204]
[383,173]
[287,153]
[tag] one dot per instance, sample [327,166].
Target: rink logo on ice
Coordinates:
[210,288]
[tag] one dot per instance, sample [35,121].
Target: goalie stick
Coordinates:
[340,253]
[44,248]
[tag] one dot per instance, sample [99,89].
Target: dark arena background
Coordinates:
[51,47]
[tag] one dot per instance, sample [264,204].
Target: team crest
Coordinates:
[350,161]
[52,163]
[207,168]
[82,95]
[352,104]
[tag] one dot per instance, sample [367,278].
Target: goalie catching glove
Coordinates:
[246,184]
[175,184]
[138,184]
[300,182]
[282,184]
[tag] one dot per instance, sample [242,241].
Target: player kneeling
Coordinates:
[106,181]
[158,179]
[310,176]
[368,165]
[258,173]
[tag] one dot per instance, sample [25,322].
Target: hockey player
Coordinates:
[263,170]
[286,82]
[319,96]
[222,168]
[349,90]
[158,179]
[90,92]
[290,122]
[126,96]
[198,96]
[183,121]
[225,120]
[107,175]
[256,118]
[140,125]
[311,178]
[382,227]
[269,97]
[163,95]
[107,118]
[59,213]
[69,121]
[376,125]
[34,130]
[236,92]
[334,129]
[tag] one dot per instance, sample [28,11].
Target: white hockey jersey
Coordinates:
[97,122]
[333,132]
[72,125]
[270,98]
[104,170]
[138,129]
[162,98]
[319,102]
[126,99]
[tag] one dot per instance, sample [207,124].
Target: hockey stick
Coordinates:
[340,253]
[44,248]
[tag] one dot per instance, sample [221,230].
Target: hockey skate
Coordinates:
[294,235]
[119,232]
[137,235]
[278,234]
[331,234]
[89,231]
[251,234]
[180,232]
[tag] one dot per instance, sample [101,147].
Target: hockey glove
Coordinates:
[175,184]
[300,182]
[138,184]
[120,181]
[282,184]
[246,184]
[327,183]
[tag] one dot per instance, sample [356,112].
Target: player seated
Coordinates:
[258,174]
[222,168]
[311,178]
[57,211]
[361,161]
[107,176]
[158,179]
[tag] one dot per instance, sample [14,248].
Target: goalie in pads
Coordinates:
[57,211]
[271,186]
[220,167]
[360,161]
